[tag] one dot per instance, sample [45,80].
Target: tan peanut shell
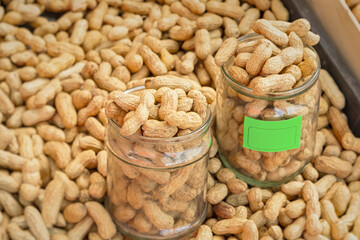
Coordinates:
[251,15]
[275,64]
[157,217]
[141,114]
[265,28]
[225,9]
[75,212]
[273,206]
[261,54]
[53,197]
[171,82]
[331,165]
[106,227]
[209,21]
[169,102]
[184,120]
[202,43]
[36,224]
[272,83]
[229,226]
[152,61]
[226,50]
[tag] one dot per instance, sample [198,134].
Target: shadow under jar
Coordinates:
[157,186]
[266,139]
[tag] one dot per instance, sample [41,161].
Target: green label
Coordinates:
[272,136]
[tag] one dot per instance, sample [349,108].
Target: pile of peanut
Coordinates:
[55,81]
[163,110]
[153,202]
[354,5]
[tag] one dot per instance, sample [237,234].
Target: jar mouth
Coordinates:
[179,139]
[276,95]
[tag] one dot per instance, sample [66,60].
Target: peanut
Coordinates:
[71,190]
[106,227]
[331,90]
[209,21]
[10,204]
[224,210]
[140,115]
[202,43]
[154,128]
[204,232]
[229,226]
[95,128]
[90,110]
[273,206]
[279,10]
[11,47]
[181,10]
[81,229]
[250,230]
[251,15]
[7,107]
[11,161]
[184,120]
[157,217]
[188,62]
[82,160]
[285,58]
[50,133]
[261,54]
[33,116]
[169,102]
[275,82]
[36,223]
[16,232]
[59,151]
[265,28]
[217,193]
[56,65]
[66,110]
[231,28]
[53,198]
[310,38]
[226,50]
[224,9]
[152,61]
[331,165]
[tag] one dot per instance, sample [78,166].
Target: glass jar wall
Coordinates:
[157,186]
[266,139]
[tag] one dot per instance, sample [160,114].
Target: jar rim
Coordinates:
[179,139]
[276,95]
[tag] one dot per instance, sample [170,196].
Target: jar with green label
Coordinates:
[267,139]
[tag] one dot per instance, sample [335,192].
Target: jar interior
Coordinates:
[265,168]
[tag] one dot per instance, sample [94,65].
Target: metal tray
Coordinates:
[332,61]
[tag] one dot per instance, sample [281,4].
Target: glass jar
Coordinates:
[267,139]
[157,186]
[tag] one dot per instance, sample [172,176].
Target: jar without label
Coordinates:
[157,186]
[267,139]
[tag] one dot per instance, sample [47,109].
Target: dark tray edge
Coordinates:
[333,62]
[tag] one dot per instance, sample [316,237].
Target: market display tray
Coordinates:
[333,61]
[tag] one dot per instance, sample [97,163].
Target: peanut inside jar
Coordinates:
[158,143]
[267,101]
